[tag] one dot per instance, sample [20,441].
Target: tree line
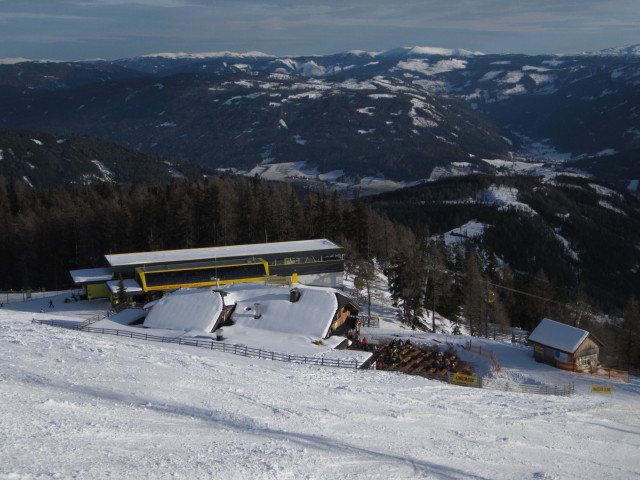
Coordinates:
[45,232]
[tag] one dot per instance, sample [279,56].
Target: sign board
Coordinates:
[608,389]
[466,379]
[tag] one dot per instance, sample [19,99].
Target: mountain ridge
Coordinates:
[577,105]
[44,160]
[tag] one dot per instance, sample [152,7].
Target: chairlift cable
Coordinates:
[568,305]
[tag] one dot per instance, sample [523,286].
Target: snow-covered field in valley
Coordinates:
[84,405]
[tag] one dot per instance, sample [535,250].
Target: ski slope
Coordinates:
[81,405]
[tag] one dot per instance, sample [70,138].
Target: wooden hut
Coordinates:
[345,317]
[562,345]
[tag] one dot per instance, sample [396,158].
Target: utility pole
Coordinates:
[433,310]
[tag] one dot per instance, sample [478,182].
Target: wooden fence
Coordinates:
[94,319]
[7,297]
[601,372]
[211,344]
[245,351]
[506,386]
[484,352]
[367,321]
[503,334]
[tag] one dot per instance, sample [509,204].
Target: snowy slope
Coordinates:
[80,405]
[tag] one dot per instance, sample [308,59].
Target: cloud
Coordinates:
[321,26]
[144,3]
[40,16]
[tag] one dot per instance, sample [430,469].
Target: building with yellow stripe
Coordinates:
[312,262]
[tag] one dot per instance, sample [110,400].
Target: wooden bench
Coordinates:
[410,364]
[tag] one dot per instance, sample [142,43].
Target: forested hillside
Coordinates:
[515,274]
[45,160]
[45,232]
[513,250]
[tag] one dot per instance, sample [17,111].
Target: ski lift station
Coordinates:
[318,262]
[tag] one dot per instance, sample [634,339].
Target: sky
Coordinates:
[112,29]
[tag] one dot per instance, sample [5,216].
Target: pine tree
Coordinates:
[631,328]
[121,295]
[474,294]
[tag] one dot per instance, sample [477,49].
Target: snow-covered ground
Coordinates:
[299,172]
[82,405]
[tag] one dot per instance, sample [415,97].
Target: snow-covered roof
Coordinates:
[558,335]
[128,316]
[197,309]
[91,275]
[194,254]
[187,309]
[130,286]
[311,315]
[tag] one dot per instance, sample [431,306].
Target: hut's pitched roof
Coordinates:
[558,335]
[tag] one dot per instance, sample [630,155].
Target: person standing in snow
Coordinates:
[50,303]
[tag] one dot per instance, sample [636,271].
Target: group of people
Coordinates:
[427,359]
[72,299]
[391,354]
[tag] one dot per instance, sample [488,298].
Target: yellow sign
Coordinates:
[466,379]
[601,389]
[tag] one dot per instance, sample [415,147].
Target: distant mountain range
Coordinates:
[534,126]
[405,114]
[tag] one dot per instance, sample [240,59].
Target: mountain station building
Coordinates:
[318,262]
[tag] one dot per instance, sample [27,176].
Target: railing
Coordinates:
[484,352]
[506,386]
[602,372]
[26,295]
[307,259]
[502,333]
[245,351]
[367,321]
[211,344]
[94,319]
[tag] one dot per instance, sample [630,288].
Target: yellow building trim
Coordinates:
[204,267]
[142,272]
[205,284]
[142,279]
